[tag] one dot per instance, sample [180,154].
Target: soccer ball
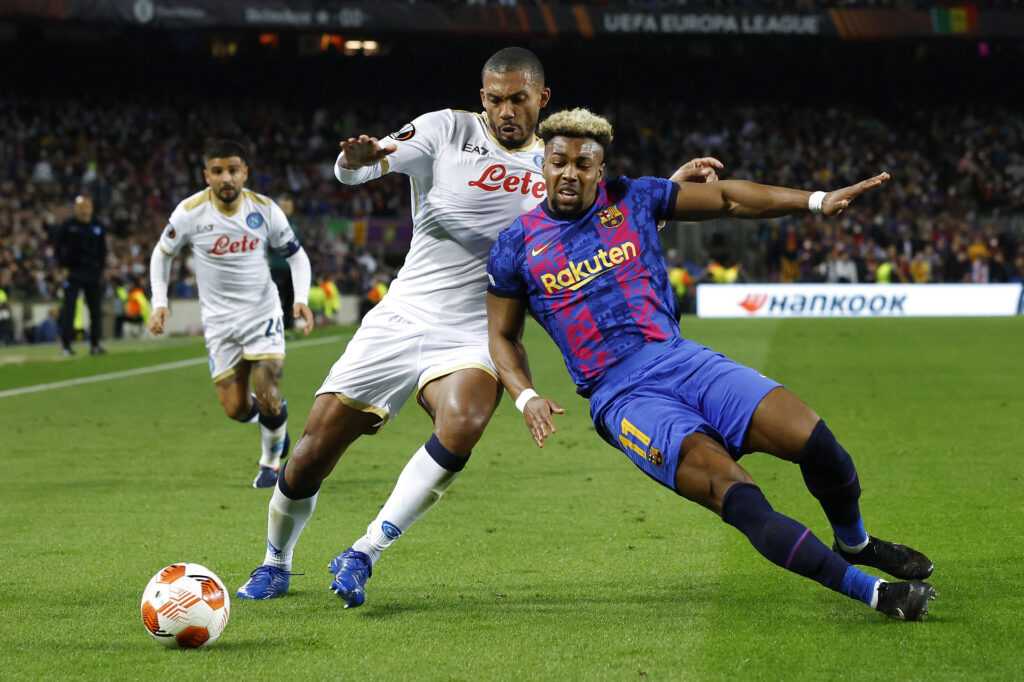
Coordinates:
[185,605]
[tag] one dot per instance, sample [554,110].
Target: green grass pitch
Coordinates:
[564,563]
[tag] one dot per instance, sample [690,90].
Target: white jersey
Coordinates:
[230,251]
[466,188]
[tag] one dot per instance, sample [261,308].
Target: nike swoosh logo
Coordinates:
[540,250]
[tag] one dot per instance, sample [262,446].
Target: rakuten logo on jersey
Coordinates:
[223,246]
[496,178]
[578,275]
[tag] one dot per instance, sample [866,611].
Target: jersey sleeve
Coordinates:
[504,276]
[418,143]
[416,146]
[279,231]
[660,193]
[176,234]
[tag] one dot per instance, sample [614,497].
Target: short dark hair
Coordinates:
[222,149]
[515,59]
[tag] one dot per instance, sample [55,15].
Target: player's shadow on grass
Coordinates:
[558,601]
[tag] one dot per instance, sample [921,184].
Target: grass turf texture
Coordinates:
[561,563]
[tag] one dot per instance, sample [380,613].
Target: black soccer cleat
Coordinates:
[898,561]
[905,601]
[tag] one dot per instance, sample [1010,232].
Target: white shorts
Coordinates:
[391,356]
[252,337]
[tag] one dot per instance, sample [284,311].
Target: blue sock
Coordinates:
[254,413]
[859,585]
[780,539]
[274,421]
[831,477]
[445,458]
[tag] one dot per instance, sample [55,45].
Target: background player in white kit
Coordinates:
[230,229]
[471,175]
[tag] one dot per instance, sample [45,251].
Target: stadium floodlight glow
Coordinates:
[224,48]
[329,40]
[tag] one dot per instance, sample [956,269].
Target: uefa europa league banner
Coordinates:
[589,20]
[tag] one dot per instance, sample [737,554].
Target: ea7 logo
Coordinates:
[753,302]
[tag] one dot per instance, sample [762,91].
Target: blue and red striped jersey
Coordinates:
[598,283]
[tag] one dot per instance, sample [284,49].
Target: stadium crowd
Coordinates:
[800,5]
[951,213]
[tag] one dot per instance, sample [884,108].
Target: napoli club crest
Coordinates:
[254,220]
[611,217]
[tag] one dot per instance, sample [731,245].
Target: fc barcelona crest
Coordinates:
[611,217]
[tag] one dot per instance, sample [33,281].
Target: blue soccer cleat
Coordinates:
[265,478]
[266,582]
[351,570]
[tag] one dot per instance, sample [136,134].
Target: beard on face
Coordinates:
[227,193]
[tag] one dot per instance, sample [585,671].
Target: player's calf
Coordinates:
[830,476]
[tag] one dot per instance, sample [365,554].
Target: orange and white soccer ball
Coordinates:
[185,605]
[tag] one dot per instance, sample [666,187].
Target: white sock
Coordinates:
[874,596]
[285,520]
[852,550]
[273,445]
[419,487]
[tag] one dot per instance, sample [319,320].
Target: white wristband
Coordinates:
[814,201]
[525,397]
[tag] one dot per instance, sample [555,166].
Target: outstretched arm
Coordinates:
[159,274]
[701,169]
[301,273]
[742,199]
[359,159]
[505,317]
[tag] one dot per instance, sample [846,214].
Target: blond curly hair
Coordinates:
[576,123]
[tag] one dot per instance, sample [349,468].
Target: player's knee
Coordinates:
[460,430]
[821,446]
[236,409]
[311,460]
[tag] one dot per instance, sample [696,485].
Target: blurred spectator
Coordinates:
[956,197]
[48,330]
[81,249]
[280,271]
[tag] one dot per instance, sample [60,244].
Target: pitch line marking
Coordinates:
[141,370]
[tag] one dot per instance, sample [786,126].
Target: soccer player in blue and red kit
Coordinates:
[587,265]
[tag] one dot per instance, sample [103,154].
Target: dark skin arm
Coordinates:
[505,317]
[742,199]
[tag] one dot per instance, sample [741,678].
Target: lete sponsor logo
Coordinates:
[223,246]
[497,177]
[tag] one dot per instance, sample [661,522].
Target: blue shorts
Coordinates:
[686,388]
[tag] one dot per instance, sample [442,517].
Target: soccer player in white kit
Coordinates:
[471,175]
[230,230]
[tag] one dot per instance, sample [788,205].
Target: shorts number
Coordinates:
[275,326]
[635,440]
